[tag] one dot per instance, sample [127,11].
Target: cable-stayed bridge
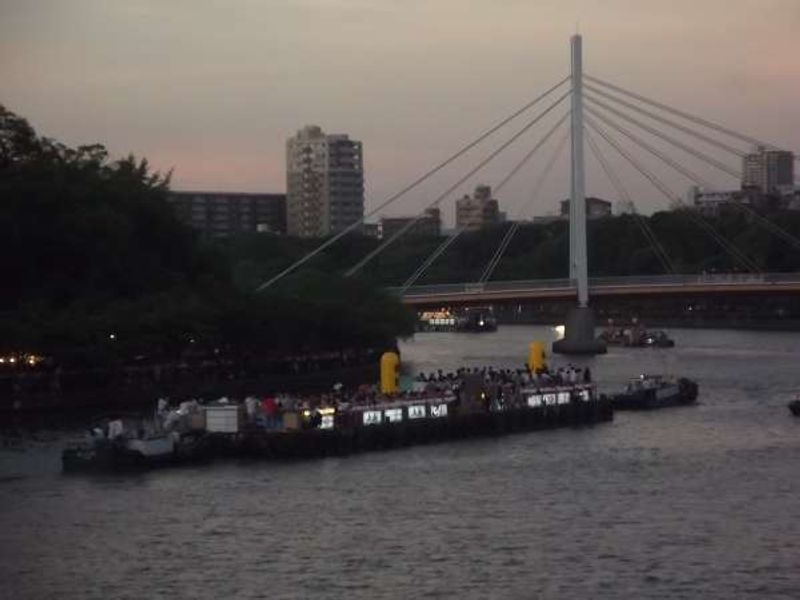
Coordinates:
[609,120]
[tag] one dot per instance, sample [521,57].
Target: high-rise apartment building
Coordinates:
[477,211]
[769,171]
[324,182]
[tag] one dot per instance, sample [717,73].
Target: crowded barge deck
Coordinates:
[458,406]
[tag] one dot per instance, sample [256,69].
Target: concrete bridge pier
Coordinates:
[579,337]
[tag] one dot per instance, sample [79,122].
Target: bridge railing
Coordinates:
[501,286]
[688,279]
[635,280]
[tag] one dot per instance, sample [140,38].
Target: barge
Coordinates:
[422,421]
[230,429]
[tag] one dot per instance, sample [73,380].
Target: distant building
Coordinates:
[429,225]
[596,208]
[769,171]
[710,202]
[547,219]
[478,211]
[371,230]
[324,182]
[220,214]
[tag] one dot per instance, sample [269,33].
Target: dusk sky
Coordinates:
[212,88]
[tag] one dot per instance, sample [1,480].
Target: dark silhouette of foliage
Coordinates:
[98,270]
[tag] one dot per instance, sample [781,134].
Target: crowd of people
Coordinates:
[497,388]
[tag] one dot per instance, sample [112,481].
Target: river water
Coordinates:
[692,502]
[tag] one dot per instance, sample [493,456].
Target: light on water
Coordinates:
[697,501]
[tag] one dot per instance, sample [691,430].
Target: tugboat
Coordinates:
[657,338]
[635,335]
[477,319]
[655,391]
[121,443]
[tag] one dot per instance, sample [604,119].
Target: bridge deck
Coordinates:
[505,291]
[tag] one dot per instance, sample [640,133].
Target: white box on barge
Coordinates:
[224,418]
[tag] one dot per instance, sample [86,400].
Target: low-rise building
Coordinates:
[596,208]
[477,211]
[220,214]
[371,229]
[710,202]
[428,225]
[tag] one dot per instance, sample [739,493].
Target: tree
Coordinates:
[92,253]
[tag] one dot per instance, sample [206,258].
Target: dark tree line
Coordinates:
[617,247]
[97,270]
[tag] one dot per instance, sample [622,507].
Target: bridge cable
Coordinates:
[767,224]
[685,147]
[644,226]
[764,222]
[386,243]
[666,121]
[688,116]
[641,221]
[430,260]
[444,245]
[330,241]
[691,175]
[498,255]
[728,246]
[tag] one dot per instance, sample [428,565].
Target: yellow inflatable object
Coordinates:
[390,365]
[536,357]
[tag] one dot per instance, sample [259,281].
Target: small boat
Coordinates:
[121,444]
[635,335]
[656,339]
[794,406]
[655,391]
[476,319]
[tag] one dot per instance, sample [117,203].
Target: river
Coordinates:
[691,502]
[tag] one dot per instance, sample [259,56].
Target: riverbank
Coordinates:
[29,396]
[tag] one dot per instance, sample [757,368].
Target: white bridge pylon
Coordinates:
[578,267]
[579,335]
